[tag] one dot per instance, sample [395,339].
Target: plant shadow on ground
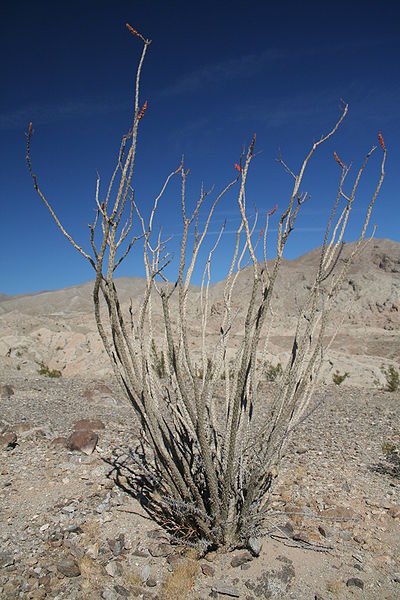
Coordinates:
[133,474]
[389,466]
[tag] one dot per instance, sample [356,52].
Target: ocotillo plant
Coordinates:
[211,443]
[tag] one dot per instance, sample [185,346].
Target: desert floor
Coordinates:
[71,529]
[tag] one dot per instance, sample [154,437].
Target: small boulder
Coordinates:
[241,559]
[355,582]
[114,569]
[6,391]
[225,590]
[207,570]
[151,582]
[8,440]
[68,568]
[255,546]
[83,441]
[6,559]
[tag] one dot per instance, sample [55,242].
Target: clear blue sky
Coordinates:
[215,73]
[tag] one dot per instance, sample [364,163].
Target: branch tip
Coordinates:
[339,162]
[381,141]
[133,31]
[271,212]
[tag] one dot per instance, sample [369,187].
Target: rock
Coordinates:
[145,574]
[287,529]
[114,568]
[325,531]
[93,551]
[68,567]
[161,550]
[255,546]
[76,551]
[8,440]
[89,425]
[207,570]
[396,578]
[241,559]
[117,546]
[6,391]
[394,511]
[151,582]
[122,591]
[140,553]
[355,582]
[6,559]
[109,594]
[83,441]
[227,590]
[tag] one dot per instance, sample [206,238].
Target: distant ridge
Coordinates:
[380,254]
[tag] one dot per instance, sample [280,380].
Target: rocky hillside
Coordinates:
[58,328]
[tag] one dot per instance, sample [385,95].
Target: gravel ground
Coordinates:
[69,531]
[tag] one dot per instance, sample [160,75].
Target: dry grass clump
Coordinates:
[93,578]
[179,584]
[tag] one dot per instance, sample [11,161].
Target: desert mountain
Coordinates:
[58,328]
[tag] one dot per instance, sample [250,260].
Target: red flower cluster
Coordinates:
[339,162]
[238,168]
[381,141]
[271,212]
[133,31]
[143,110]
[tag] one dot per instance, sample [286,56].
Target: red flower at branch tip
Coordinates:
[144,107]
[339,162]
[262,231]
[133,31]
[179,169]
[30,128]
[238,168]
[271,212]
[381,141]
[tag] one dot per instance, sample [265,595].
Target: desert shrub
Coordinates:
[337,378]
[47,372]
[272,373]
[209,451]
[392,378]
[391,451]
[389,448]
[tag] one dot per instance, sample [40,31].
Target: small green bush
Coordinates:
[389,448]
[272,373]
[337,378]
[392,378]
[44,370]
